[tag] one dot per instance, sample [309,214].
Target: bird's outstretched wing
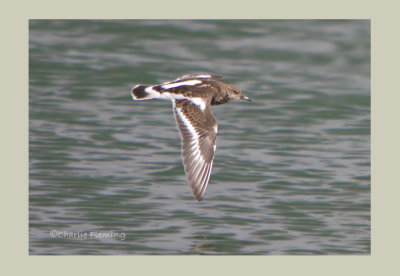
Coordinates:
[200,76]
[198,130]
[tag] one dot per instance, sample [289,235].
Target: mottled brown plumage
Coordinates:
[197,166]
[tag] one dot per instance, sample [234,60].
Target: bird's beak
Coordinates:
[245,98]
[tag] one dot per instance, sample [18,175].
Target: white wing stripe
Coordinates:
[181,83]
[202,76]
[195,141]
[197,169]
[188,125]
[199,102]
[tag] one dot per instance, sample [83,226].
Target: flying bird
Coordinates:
[192,96]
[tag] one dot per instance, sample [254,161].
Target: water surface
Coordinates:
[292,169]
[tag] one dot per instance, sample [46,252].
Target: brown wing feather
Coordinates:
[198,132]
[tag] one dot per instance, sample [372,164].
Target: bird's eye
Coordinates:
[236,91]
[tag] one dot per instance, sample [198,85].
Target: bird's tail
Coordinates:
[144,92]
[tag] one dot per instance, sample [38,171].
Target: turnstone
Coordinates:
[191,97]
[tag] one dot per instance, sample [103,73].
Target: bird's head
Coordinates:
[235,93]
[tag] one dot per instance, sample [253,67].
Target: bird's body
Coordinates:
[191,97]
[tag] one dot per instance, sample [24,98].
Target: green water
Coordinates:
[292,169]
